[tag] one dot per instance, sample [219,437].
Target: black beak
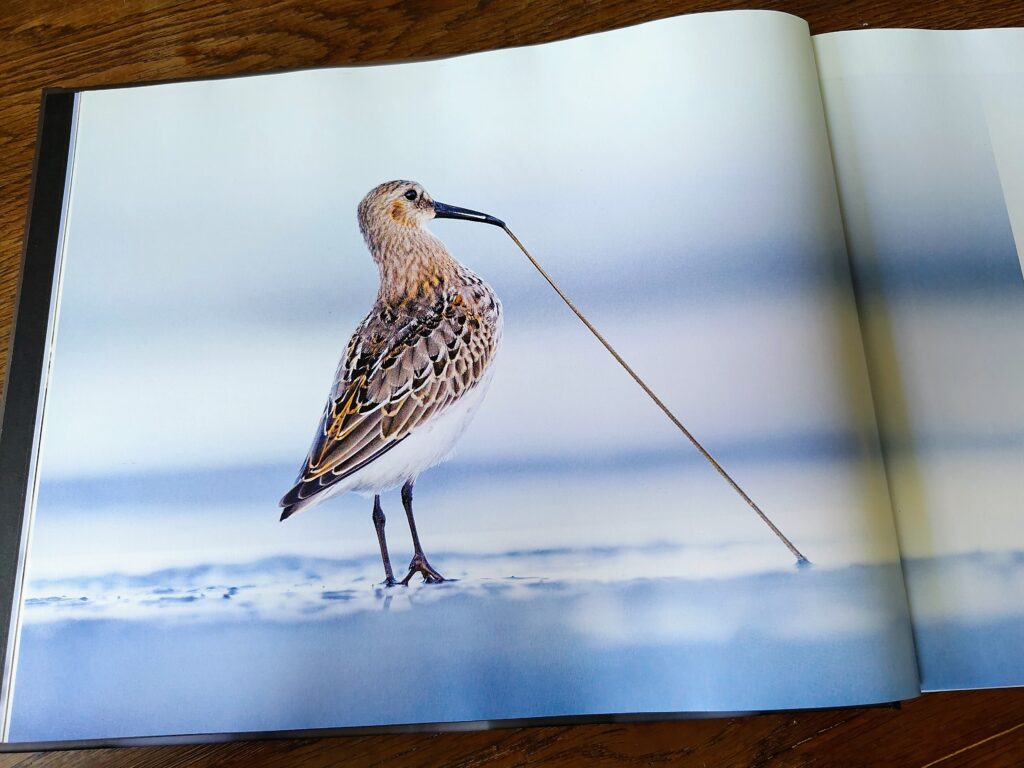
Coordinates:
[442,211]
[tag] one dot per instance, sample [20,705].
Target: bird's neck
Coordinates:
[412,263]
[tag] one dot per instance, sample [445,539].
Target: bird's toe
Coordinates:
[420,565]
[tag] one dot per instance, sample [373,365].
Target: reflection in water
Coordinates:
[285,588]
[283,644]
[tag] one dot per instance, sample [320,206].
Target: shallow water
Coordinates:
[968,619]
[289,643]
[153,611]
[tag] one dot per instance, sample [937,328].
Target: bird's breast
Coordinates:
[480,299]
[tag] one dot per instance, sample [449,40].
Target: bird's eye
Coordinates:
[410,195]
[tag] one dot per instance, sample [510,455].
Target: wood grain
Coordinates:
[50,43]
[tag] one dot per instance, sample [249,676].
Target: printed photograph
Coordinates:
[938,272]
[323,448]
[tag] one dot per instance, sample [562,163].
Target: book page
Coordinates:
[926,133]
[675,180]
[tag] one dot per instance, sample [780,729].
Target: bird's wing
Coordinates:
[388,384]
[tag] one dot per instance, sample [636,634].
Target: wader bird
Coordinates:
[414,371]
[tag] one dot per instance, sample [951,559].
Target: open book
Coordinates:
[805,246]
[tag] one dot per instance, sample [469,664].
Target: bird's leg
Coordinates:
[378,523]
[419,562]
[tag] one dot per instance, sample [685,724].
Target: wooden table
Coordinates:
[57,42]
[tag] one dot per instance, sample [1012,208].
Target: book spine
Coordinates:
[28,363]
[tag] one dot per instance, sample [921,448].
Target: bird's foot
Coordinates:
[388,582]
[420,565]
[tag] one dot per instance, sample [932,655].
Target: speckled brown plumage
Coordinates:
[429,339]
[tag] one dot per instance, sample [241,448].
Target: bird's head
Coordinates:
[406,204]
[395,204]
[393,218]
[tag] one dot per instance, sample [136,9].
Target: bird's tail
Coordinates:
[291,502]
